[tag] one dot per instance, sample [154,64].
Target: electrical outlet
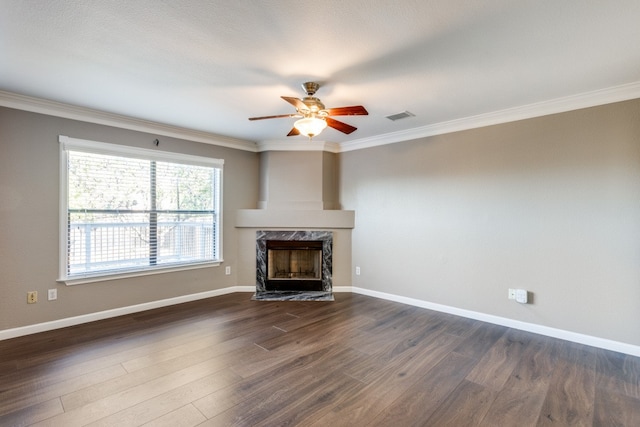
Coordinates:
[357,271]
[52,294]
[227,270]
[512,294]
[32,297]
[521,296]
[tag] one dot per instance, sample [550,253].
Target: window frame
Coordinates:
[67,143]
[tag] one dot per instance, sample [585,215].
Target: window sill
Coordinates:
[72,281]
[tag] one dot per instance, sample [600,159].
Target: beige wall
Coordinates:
[29,163]
[550,204]
[299,180]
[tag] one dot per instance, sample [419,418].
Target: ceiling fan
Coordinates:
[313,116]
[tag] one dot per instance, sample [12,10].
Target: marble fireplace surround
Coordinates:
[298,190]
[326,237]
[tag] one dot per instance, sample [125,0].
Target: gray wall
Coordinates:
[298,180]
[550,204]
[29,164]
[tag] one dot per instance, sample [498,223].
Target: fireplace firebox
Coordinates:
[294,265]
[294,261]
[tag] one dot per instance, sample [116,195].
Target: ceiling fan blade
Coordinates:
[274,117]
[293,132]
[338,125]
[295,102]
[355,110]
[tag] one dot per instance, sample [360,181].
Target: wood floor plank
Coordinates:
[615,409]
[294,401]
[356,361]
[307,336]
[276,395]
[28,395]
[466,405]
[385,342]
[213,344]
[122,400]
[123,383]
[477,344]
[459,326]
[71,364]
[255,359]
[267,402]
[571,395]
[29,415]
[305,315]
[187,416]
[366,368]
[495,367]
[169,402]
[520,401]
[403,354]
[242,392]
[575,354]
[394,322]
[370,344]
[418,402]
[384,309]
[364,406]
[216,352]
[618,372]
[330,391]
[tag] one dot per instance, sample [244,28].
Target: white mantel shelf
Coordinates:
[270,218]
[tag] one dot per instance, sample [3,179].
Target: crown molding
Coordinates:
[331,147]
[67,111]
[559,105]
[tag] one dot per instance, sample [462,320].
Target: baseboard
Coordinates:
[603,343]
[100,315]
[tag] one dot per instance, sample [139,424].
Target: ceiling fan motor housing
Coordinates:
[313,103]
[310,88]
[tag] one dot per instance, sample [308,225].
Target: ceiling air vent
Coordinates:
[399,116]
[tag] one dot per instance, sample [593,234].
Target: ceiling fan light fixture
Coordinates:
[315,117]
[310,126]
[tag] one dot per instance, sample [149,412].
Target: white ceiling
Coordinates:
[209,65]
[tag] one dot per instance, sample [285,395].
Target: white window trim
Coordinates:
[67,143]
[149,272]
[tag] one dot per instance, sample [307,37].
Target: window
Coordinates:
[129,211]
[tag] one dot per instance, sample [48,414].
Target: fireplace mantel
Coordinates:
[301,219]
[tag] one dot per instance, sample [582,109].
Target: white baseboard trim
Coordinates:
[603,343]
[100,315]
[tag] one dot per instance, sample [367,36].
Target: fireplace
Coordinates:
[294,265]
[294,261]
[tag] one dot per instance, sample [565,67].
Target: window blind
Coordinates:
[135,210]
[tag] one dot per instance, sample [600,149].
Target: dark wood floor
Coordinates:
[358,361]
